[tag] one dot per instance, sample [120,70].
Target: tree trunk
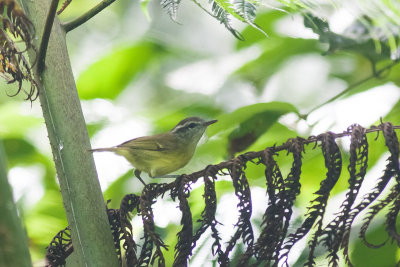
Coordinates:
[13,241]
[80,188]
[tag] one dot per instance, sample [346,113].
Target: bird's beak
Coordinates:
[207,123]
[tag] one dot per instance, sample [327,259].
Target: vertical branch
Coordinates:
[69,140]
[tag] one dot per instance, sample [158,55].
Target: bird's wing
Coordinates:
[145,143]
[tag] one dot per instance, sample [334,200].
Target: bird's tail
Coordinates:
[105,149]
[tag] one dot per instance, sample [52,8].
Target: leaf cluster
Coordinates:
[222,10]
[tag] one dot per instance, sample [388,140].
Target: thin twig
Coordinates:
[46,35]
[69,26]
[353,86]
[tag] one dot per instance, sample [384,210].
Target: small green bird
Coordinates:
[161,154]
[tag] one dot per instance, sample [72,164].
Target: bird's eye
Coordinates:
[192,125]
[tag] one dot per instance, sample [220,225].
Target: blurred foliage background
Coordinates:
[139,73]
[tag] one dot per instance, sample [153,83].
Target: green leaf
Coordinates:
[394,114]
[45,220]
[276,135]
[363,70]
[201,109]
[118,189]
[251,129]
[276,52]
[360,37]
[230,121]
[15,124]
[95,127]
[245,125]
[266,20]
[19,150]
[143,6]
[111,74]
[388,255]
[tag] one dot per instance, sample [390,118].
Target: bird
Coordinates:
[161,154]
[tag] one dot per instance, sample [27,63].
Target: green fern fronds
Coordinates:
[223,17]
[242,10]
[171,6]
[247,11]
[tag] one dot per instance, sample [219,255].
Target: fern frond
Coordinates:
[242,192]
[224,17]
[171,6]
[247,11]
[183,248]
[129,203]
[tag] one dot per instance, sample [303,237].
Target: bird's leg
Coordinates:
[167,176]
[137,174]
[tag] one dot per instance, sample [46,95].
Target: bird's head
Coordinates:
[191,129]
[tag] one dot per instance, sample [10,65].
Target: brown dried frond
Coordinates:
[208,219]
[333,163]
[149,194]
[392,170]
[16,21]
[14,67]
[273,244]
[391,219]
[114,219]
[242,191]
[335,234]
[183,247]
[208,214]
[128,204]
[272,224]
[59,249]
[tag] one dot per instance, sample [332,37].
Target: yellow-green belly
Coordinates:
[156,163]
